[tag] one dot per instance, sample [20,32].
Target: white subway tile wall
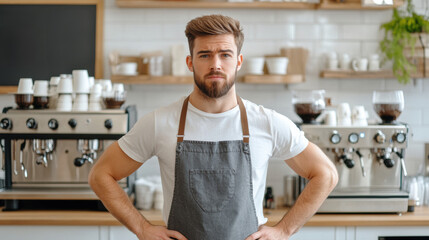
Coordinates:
[266,31]
[132,31]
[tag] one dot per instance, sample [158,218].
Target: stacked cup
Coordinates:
[41,96]
[65,91]
[344,115]
[53,92]
[24,96]
[81,89]
[95,98]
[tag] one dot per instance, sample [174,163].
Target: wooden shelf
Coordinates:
[256,79]
[146,79]
[325,4]
[273,79]
[354,5]
[209,4]
[350,74]
[8,89]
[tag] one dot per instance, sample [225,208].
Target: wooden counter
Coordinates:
[93,218]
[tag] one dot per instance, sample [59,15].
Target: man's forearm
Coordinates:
[117,202]
[315,192]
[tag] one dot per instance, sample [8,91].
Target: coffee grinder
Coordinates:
[309,105]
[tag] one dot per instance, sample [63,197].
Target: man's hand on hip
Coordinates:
[269,233]
[152,232]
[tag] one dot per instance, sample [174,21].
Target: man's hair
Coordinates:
[214,25]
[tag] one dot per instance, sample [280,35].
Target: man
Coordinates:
[213,149]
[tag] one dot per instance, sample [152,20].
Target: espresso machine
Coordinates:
[369,158]
[48,154]
[370,164]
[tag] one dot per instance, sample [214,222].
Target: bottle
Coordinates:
[269,198]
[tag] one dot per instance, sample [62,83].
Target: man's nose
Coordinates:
[215,63]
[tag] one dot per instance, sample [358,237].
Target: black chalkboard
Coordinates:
[40,41]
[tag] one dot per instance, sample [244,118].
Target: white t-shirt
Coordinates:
[272,136]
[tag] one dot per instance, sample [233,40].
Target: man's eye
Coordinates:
[204,56]
[226,55]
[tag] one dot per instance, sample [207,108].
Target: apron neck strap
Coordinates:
[243,116]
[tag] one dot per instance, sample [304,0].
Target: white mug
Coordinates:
[374,65]
[344,115]
[360,64]
[277,65]
[359,116]
[255,65]
[331,118]
[345,62]
[127,68]
[333,64]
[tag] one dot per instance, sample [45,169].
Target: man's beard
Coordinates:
[214,89]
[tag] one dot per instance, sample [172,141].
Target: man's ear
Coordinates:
[189,63]
[239,62]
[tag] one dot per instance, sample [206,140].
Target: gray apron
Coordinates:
[213,191]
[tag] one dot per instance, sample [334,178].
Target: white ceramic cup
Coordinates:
[65,86]
[95,106]
[80,81]
[374,65]
[91,81]
[41,88]
[81,102]
[25,86]
[360,64]
[359,116]
[333,64]
[127,68]
[344,115]
[345,62]
[277,65]
[65,102]
[54,81]
[255,65]
[96,91]
[331,118]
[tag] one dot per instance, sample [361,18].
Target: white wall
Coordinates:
[135,30]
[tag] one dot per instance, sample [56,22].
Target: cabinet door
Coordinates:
[49,232]
[121,233]
[372,233]
[319,233]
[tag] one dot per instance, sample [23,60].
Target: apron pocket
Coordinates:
[212,189]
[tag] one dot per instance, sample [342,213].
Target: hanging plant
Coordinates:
[401,33]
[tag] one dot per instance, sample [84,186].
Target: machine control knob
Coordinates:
[349,162]
[380,137]
[400,137]
[353,138]
[388,162]
[108,123]
[31,123]
[53,124]
[335,137]
[72,123]
[6,123]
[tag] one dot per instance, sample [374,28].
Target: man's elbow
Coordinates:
[93,178]
[331,176]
